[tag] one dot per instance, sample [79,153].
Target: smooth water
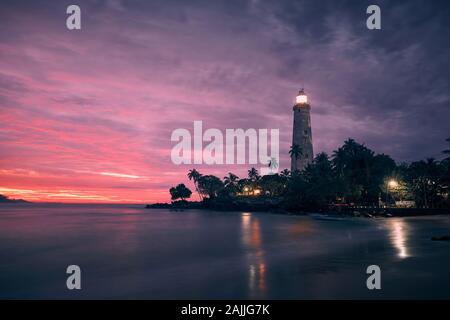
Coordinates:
[132,252]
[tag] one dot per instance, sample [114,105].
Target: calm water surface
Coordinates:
[131,252]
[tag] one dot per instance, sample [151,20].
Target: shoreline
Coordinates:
[367,212]
[266,206]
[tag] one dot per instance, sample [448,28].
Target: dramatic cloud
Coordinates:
[87,115]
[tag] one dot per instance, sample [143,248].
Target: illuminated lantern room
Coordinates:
[301,97]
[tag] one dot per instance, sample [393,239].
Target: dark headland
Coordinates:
[4,199]
[355,181]
[268,205]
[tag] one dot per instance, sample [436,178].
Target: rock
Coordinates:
[441,238]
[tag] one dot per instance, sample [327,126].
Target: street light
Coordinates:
[392,184]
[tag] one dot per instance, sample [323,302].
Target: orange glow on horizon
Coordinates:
[72,196]
[80,186]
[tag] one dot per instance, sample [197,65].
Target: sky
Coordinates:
[87,115]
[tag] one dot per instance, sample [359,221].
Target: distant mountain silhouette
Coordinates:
[6,199]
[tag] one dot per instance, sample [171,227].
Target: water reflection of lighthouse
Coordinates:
[252,242]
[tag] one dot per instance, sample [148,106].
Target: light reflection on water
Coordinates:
[398,235]
[252,242]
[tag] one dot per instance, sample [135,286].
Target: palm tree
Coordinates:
[295,152]
[253,178]
[231,183]
[253,174]
[360,171]
[285,173]
[194,175]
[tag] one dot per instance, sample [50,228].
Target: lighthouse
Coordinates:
[302,149]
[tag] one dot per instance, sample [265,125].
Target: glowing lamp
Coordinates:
[392,183]
[301,97]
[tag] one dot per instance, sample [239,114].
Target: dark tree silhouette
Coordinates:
[295,151]
[194,175]
[180,192]
[210,186]
[231,183]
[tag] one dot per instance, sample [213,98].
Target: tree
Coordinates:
[253,175]
[294,195]
[231,183]
[360,172]
[319,177]
[273,184]
[253,179]
[426,182]
[210,186]
[180,192]
[295,152]
[245,185]
[194,175]
[382,168]
[285,173]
